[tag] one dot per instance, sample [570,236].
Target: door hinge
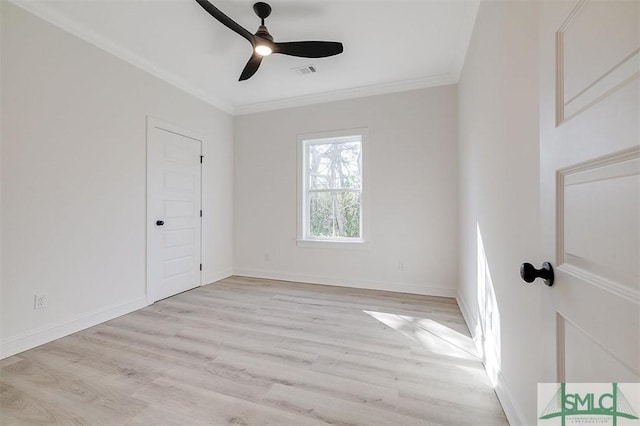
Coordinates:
[200,213]
[201,157]
[201,266]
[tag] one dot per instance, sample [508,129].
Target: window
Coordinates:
[331,202]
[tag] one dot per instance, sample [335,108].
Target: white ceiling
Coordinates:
[388,45]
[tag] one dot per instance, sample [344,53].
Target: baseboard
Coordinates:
[218,276]
[472,324]
[511,410]
[400,287]
[40,336]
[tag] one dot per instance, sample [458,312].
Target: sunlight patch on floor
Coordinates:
[430,334]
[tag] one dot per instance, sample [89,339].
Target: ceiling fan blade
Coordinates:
[309,49]
[251,67]
[225,20]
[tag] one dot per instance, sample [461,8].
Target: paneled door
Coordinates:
[590,190]
[173,210]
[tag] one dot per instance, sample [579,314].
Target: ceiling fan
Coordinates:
[263,44]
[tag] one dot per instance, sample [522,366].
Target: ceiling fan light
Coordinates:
[263,50]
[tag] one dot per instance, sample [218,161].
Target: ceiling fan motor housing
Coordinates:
[263,32]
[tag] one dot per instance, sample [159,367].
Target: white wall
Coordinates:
[1,120]
[412,165]
[74,180]
[498,150]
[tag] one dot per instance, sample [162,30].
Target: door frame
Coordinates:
[155,123]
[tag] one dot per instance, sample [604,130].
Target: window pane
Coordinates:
[320,214]
[335,165]
[334,214]
[348,214]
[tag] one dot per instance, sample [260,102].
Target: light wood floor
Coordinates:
[254,352]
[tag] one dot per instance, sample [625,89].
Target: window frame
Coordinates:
[318,138]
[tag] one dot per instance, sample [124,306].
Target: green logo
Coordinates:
[587,404]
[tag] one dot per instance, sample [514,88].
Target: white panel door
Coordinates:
[173,210]
[590,190]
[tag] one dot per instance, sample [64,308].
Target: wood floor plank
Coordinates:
[217,408]
[259,352]
[335,411]
[87,397]
[304,378]
[10,360]
[446,411]
[20,408]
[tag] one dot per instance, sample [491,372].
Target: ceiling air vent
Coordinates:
[307,69]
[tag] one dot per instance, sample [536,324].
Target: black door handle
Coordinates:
[529,273]
[159,222]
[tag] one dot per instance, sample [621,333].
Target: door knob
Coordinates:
[159,222]
[529,273]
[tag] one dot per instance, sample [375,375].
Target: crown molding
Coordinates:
[38,9]
[339,95]
[464,37]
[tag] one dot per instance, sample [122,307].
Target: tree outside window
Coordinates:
[333,188]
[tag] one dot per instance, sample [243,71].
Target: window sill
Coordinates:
[332,244]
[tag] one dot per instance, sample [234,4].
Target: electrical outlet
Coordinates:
[400,265]
[266,257]
[40,301]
